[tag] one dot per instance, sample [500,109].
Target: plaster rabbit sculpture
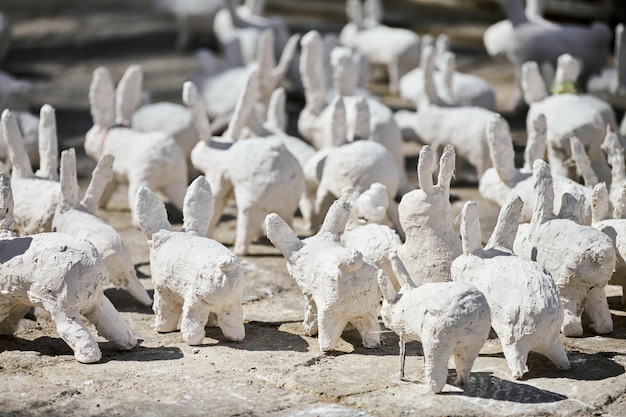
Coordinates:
[77,218]
[261,173]
[221,85]
[581,260]
[366,230]
[448,318]
[37,194]
[193,276]
[244,23]
[615,228]
[28,125]
[64,276]
[461,89]
[615,157]
[504,179]
[526,310]
[611,82]
[152,159]
[338,285]
[315,120]
[532,38]
[426,218]
[438,123]
[396,49]
[566,115]
[194,18]
[357,164]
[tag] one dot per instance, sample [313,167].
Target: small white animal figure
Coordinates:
[77,218]
[526,310]
[261,173]
[193,276]
[396,49]
[366,230]
[615,157]
[448,318]
[244,24]
[64,276]
[504,179]
[615,228]
[315,120]
[438,122]
[426,217]
[357,164]
[338,285]
[567,115]
[36,196]
[580,259]
[28,125]
[458,88]
[153,160]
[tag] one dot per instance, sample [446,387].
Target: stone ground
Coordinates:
[277,370]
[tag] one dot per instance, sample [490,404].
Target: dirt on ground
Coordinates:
[276,370]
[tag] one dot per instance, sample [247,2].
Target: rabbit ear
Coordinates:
[446,169]
[102,98]
[338,127]
[312,71]
[470,228]
[448,68]
[544,193]
[501,148]
[354,12]
[600,203]
[503,235]
[266,61]
[583,163]
[128,94]
[256,7]
[198,207]
[615,156]
[428,72]
[48,144]
[572,205]
[442,45]
[276,113]
[151,213]
[282,236]
[100,177]
[361,128]
[533,86]
[6,203]
[386,287]
[425,168]
[289,52]
[69,183]
[247,98]
[194,103]
[336,219]
[345,72]
[567,70]
[15,144]
[619,208]
[536,142]
[373,10]
[400,271]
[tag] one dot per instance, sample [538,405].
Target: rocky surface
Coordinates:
[276,370]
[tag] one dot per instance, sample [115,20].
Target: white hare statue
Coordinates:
[193,276]
[448,318]
[526,310]
[426,217]
[338,285]
[63,275]
[153,160]
[37,194]
[77,218]
[261,173]
[581,260]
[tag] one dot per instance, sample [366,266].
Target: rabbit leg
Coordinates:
[111,325]
[330,330]
[436,355]
[571,298]
[72,329]
[597,308]
[516,355]
[310,316]
[231,322]
[555,352]
[464,356]
[166,311]
[195,316]
[369,329]
[249,220]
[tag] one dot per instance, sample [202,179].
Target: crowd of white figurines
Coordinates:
[559,239]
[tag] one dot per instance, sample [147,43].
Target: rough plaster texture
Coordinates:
[338,285]
[194,276]
[503,179]
[37,194]
[580,259]
[426,217]
[261,173]
[64,276]
[77,218]
[153,159]
[448,318]
[615,157]
[28,125]
[526,310]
